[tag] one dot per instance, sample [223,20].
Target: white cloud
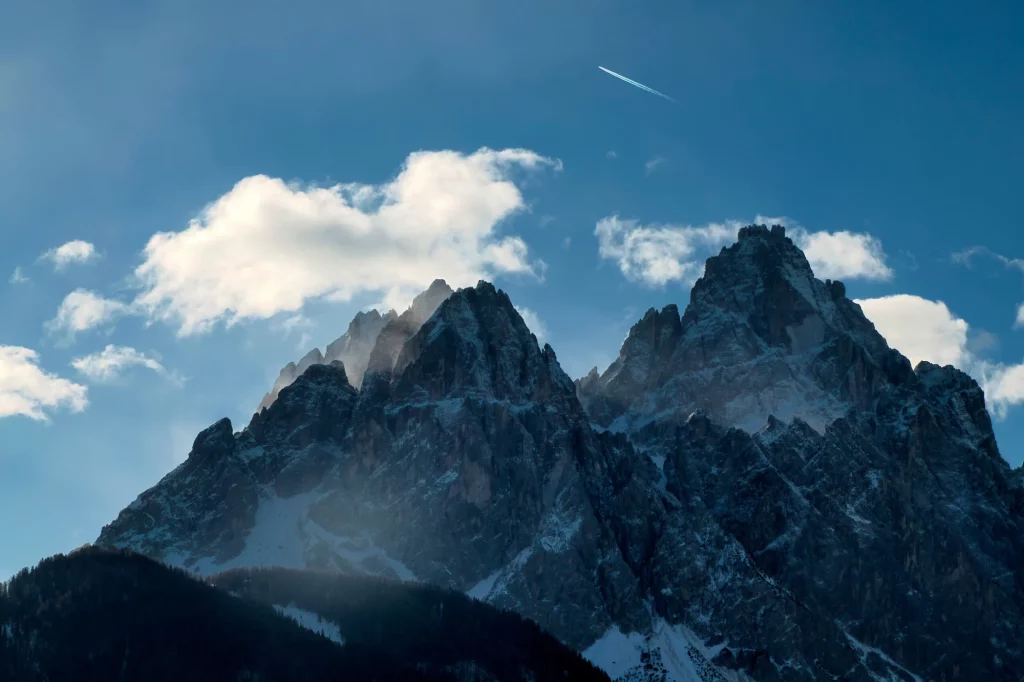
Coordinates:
[17,277]
[843,255]
[27,390]
[82,310]
[113,361]
[567,242]
[534,323]
[657,254]
[836,255]
[1003,384]
[611,154]
[293,322]
[266,247]
[1019,322]
[968,256]
[76,251]
[928,330]
[654,164]
[919,328]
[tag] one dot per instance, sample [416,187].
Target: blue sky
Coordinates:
[888,134]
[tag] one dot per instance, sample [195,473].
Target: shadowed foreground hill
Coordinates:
[416,624]
[102,615]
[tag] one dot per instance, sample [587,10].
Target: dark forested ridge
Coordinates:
[417,624]
[112,615]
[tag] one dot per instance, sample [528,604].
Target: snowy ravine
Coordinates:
[758,488]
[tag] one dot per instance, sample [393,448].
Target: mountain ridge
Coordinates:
[759,487]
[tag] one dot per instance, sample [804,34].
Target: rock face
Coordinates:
[760,337]
[759,488]
[291,372]
[354,347]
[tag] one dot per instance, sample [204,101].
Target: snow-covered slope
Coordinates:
[858,525]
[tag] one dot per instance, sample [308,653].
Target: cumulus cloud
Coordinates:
[113,361]
[919,328]
[1003,384]
[27,390]
[836,255]
[1019,322]
[843,255]
[17,277]
[927,330]
[82,310]
[72,252]
[266,247]
[534,322]
[657,254]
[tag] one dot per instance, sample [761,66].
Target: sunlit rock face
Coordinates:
[757,488]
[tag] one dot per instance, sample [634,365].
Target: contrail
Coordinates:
[639,85]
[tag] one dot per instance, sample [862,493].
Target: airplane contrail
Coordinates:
[639,85]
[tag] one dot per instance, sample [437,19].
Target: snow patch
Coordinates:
[446,479]
[616,653]
[277,538]
[358,548]
[283,535]
[311,621]
[866,651]
[505,575]
[483,588]
[674,650]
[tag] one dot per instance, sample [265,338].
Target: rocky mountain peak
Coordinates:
[355,347]
[476,343]
[761,336]
[214,437]
[397,331]
[315,407]
[765,279]
[424,305]
[212,444]
[289,373]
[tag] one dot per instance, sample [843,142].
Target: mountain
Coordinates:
[761,337]
[758,488]
[100,615]
[354,347]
